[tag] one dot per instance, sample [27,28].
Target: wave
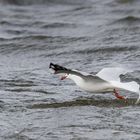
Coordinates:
[107,49]
[126,1]
[129,20]
[59,25]
[41,2]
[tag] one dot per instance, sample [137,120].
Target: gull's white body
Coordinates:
[91,86]
[105,81]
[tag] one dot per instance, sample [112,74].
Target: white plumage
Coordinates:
[108,79]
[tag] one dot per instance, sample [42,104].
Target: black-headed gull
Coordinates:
[106,80]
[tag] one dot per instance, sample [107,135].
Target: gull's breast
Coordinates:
[95,87]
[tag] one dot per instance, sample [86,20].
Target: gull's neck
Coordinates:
[77,79]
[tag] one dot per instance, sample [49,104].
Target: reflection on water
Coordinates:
[87,102]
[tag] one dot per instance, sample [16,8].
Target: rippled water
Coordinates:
[85,35]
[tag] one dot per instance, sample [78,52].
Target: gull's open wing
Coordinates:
[111,74]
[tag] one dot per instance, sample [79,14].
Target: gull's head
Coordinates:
[59,70]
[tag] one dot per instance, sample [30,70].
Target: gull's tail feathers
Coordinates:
[129,86]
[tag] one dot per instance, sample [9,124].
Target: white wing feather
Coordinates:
[111,74]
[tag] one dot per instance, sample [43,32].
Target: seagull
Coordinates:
[106,80]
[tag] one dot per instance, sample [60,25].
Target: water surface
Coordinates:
[85,35]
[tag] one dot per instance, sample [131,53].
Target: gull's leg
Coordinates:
[118,96]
